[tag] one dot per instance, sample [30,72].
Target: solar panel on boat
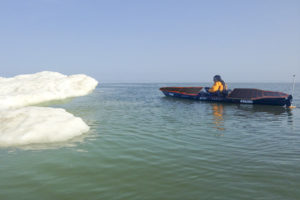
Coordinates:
[248,93]
[185,90]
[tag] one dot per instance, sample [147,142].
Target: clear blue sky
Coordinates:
[152,40]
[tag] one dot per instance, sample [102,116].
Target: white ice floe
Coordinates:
[21,125]
[31,125]
[29,89]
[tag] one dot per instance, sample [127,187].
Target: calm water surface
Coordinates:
[143,145]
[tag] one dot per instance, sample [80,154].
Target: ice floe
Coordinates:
[29,89]
[21,124]
[31,125]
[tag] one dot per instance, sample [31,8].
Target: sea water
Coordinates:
[143,145]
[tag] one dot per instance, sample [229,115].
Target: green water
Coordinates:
[143,145]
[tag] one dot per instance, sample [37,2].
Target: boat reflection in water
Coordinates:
[218,110]
[275,110]
[249,111]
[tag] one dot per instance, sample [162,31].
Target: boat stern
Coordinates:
[288,102]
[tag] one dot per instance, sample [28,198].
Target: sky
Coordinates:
[137,41]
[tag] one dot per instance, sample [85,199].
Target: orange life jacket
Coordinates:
[218,86]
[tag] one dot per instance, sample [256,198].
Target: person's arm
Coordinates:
[214,88]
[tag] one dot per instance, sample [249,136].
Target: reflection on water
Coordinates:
[275,110]
[218,110]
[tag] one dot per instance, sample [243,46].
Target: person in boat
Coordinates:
[219,85]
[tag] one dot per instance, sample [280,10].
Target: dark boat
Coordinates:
[238,95]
